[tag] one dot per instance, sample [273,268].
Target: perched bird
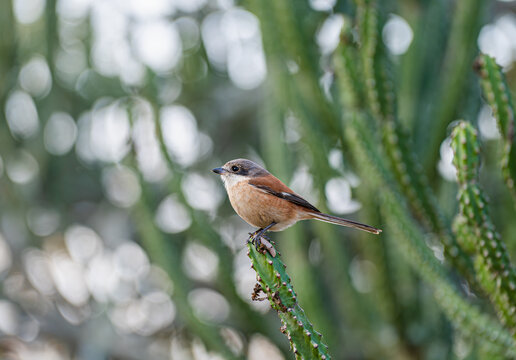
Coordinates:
[263,201]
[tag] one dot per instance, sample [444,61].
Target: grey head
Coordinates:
[241,167]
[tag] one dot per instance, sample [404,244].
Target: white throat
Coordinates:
[231,180]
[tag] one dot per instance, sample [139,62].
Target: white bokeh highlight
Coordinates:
[149,9]
[338,195]
[190,6]
[68,278]
[121,185]
[397,34]
[233,43]
[109,137]
[498,40]
[322,5]
[43,221]
[5,256]
[9,318]
[487,125]
[171,216]
[37,268]
[303,183]
[199,262]
[130,261]
[150,159]
[111,51]
[22,167]
[82,243]
[101,277]
[35,77]
[209,305]
[22,115]
[183,140]
[60,133]
[202,192]
[445,165]
[157,44]
[73,9]
[189,31]
[328,35]
[28,11]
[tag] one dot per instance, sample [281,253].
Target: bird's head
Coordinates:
[237,170]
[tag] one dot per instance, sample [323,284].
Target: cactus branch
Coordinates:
[498,96]
[495,272]
[460,52]
[406,168]
[273,280]
[410,240]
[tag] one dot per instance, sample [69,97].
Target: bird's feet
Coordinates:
[262,242]
[257,238]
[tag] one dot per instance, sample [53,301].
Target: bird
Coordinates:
[265,202]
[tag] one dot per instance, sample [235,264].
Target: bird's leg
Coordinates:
[252,238]
[261,233]
[258,238]
[256,232]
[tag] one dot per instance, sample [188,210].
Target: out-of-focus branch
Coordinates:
[498,96]
[495,271]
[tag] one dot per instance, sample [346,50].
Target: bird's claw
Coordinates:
[255,239]
[262,243]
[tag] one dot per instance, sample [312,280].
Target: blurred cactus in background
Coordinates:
[116,241]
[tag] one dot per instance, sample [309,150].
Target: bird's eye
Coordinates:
[234,168]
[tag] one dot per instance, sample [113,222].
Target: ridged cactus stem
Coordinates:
[460,52]
[494,269]
[368,31]
[498,96]
[273,280]
[348,69]
[414,185]
[410,240]
[399,150]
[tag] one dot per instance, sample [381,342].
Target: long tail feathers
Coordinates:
[344,222]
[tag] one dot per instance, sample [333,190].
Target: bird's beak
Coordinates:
[219,171]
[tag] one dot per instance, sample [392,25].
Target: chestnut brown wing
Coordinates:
[275,187]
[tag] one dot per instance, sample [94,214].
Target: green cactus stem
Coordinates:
[460,52]
[274,282]
[381,105]
[498,96]
[348,69]
[406,235]
[380,94]
[464,236]
[495,271]
[413,183]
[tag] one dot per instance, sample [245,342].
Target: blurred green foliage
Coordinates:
[116,241]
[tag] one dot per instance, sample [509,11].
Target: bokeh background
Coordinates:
[116,240]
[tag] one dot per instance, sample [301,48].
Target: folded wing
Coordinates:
[276,188]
